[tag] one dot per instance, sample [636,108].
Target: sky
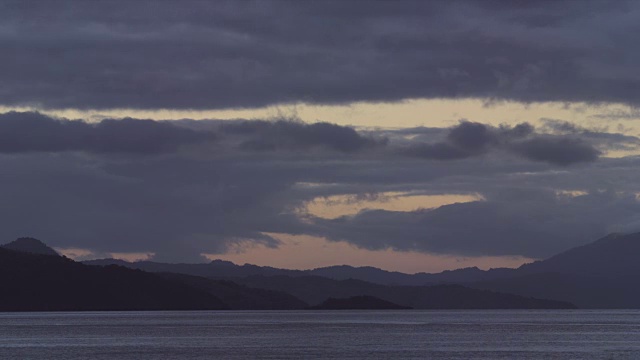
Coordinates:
[408,135]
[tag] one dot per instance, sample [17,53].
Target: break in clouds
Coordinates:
[240,54]
[182,188]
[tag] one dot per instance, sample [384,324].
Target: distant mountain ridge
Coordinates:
[42,282]
[215,268]
[30,245]
[241,297]
[614,254]
[597,275]
[34,277]
[222,269]
[601,274]
[36,282]
[316,289]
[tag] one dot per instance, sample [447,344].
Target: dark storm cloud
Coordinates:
[35,132]
[538,224]
[226,54]
[470,139]
[601,137]
[79,184]
[292,135]
[560,151]
[172,206]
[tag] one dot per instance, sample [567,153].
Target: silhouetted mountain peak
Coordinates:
[612,237]
[614,254]
[35,282]
[219,262]
[336,267]
[108,261]
[467,270]
[30,245]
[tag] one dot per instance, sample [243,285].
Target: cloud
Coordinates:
[181,188]
[201,55]
[35,132]
[559,151]
[22,132]
[538,225]
[295,135]
[469,139]
[600,137]
[619,114]
[172,206]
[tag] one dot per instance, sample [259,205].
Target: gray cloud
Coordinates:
[294,135]
[60,184]
[599,137]
[229,54]
[438,151]
[560,151]
[536,224]
[171,205]
[34,132]
[470,139]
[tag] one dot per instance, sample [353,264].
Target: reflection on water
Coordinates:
[497,334]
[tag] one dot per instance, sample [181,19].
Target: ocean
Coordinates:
[408,334]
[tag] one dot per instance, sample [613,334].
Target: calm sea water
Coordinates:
[322,335]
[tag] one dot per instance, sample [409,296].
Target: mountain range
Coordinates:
[35,278]
[36,282]
[601,274]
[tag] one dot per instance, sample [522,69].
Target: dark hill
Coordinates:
[613,255]
[602,274]
[215,268]
[240,297]
[598,275]
[32,282]
[358,303]
[315,290]
[595,292]
[227,269]
[368,273]
[610,257]
[30,245]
